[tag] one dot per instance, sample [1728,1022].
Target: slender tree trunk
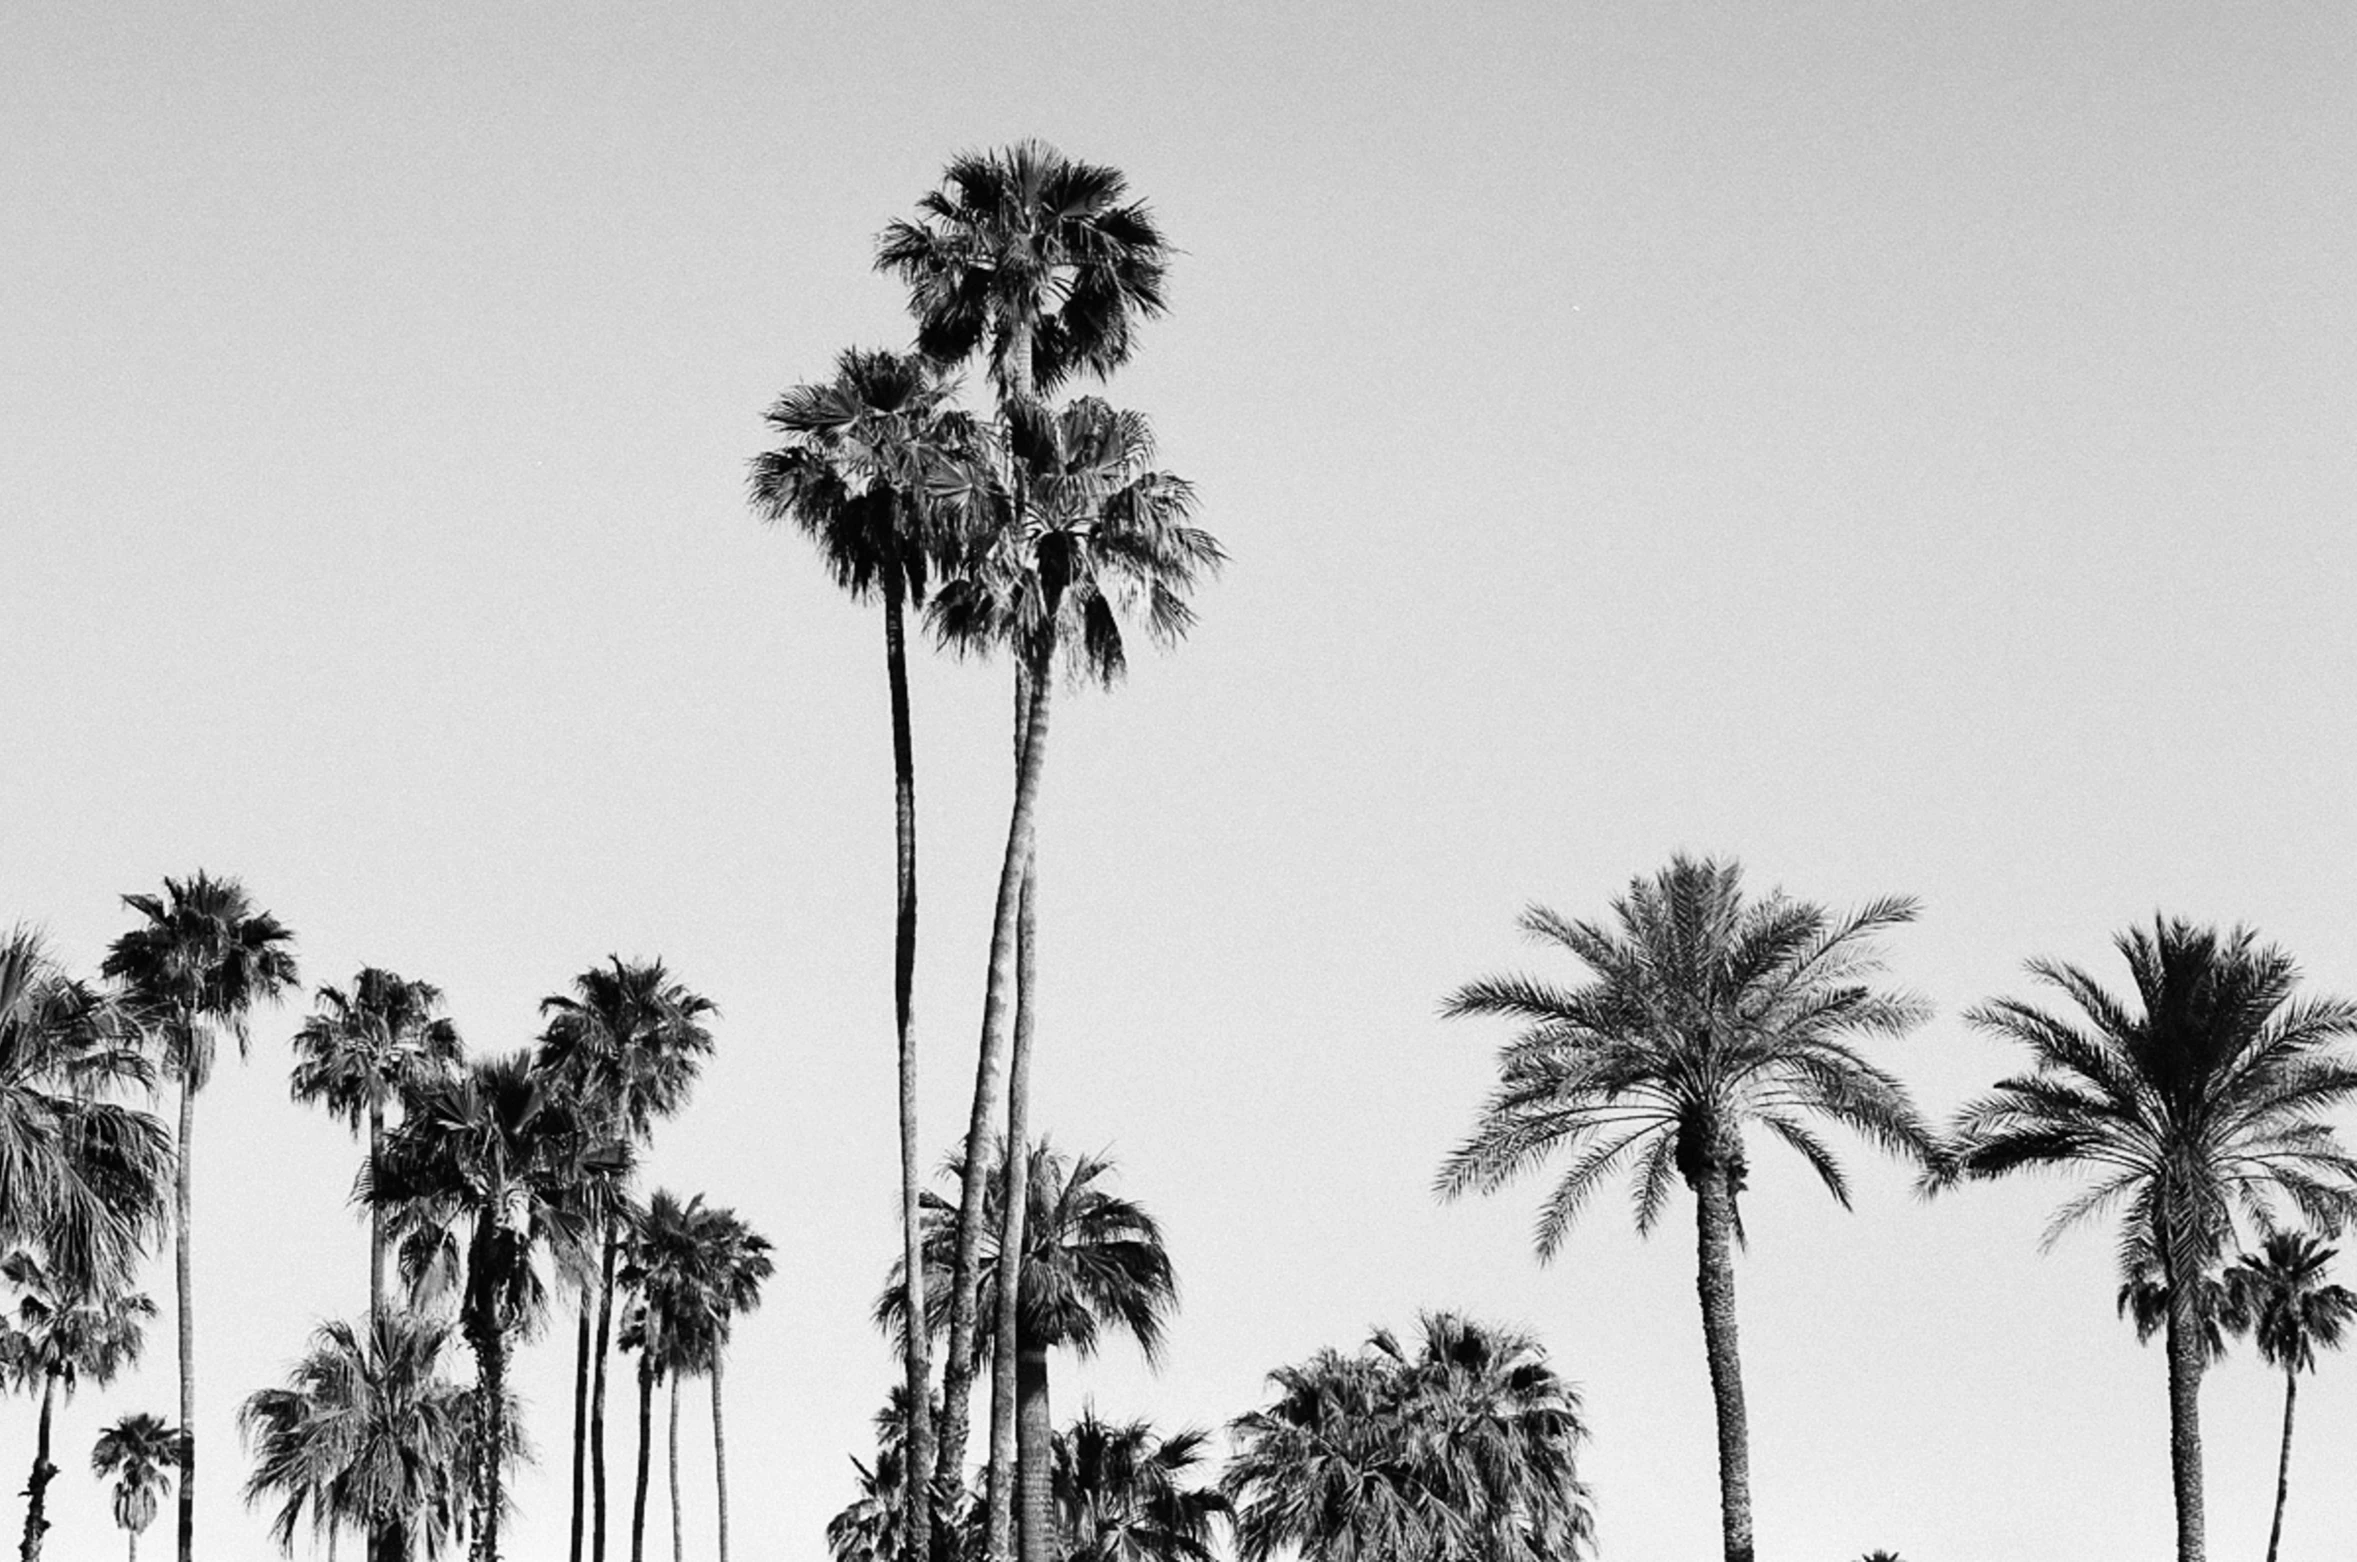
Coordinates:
[958,1371]
[1015,1205]
[597,1397]
[646,1438]
[184,1284]
[720,1461]
[916,1347]
[1715,1281]
[37,1489]
[134,1546]
[580,1430]
[2185,1433]
[2283,1463]
[671,1479]
[1033,1433]
[492,1356]
[376,1219]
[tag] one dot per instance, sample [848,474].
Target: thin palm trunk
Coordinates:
[597,1397]
[671,1477]
[580,1428]
[646,1438]
[1033,1431]
[184,1287]
[37,1489]
[1715,1281]
[1005,1468]
[490,1344]
[376,1217]
[2283,1463]
[2185,1433]
[134,1555]
[720,1461]
[916,1346]
[958,1372]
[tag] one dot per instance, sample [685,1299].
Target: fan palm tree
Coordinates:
[626,1044]
[481,1167]
[369,1435]
[1706,1013]
[1122,1493]
[1464,1451]
[735,1261]
[139,1451]
[195,967]
[81,1175]
[2280,1297]
[2203,1098]
[870,1528]
[360,1051]
[60,1332]
[863,460]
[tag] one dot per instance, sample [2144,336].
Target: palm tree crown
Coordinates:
[1122,1493]
[363,1049]
[627,1039]
[139,1452]
[198,965]
[2280,1296]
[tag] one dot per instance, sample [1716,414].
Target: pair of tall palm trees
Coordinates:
[1045,527]
[1707,1014]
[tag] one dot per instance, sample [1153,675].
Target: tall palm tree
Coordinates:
[2280,1297]
[2203,1096]
[139,1451]
[626,1044]
[1122,1493]
[1465,1450]
[370,1435]
[80,1174]
[59,1332]
[194,968]
[860,471]
[736,1263]
[1706,1013]
[360,1051]
[483,1162]
[667,1277]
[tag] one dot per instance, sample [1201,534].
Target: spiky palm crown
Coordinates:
[693,1268]
[628,1041]
[141,1452]
[382,1040]
[66,1330]
[2202,1105]
[2282,1298]
[200,962]
[1705,1012]
[1122,1492]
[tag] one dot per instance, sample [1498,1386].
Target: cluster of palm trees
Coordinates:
[492,1183]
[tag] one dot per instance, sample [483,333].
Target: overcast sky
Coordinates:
[1904,445]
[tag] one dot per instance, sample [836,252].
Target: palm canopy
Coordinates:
[1706,1012]
[1123,1494]
[363,1048]
[141,1452]
[2281,1298]
[1034,258]
[1464,1449]
[628,1041]
[65,1331]
[2202,1103]
[197,966]
[83,1176]
[694,1268]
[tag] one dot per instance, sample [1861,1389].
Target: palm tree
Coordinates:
[362,1050]
[2205,1096]
[370,1435]
[482,1164]
[1706,1013]
[195,968]
[626,1044]
[2281,1298]
[1465,1451]
[735,1262]
[1121,1493]
[62,1331]
[858,474]
[668,1281]
[870,1528]
[81,1175]
[139,1452]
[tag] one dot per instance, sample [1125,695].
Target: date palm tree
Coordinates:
[625,1046]
[139,1452]
[82,1175]
[1706,1013]
[60,1332]
[2201,1097]
[2280,1296]
[362,1050]
[1123,1493]
[202,957]
[863,462]
[1465,1450]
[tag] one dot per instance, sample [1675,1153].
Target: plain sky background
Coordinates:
[1905,445]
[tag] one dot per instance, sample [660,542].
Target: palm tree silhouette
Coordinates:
[2281,1298]
[1122,1493]
[139,1451]
[60,1332]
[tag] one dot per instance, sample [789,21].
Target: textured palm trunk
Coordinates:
[1715,1282]
[597,1397]
[580,1431]
[2283,1463]
[184,1288]
[671,1479]
[1041,1542]
[134,1553]
[916,1346]
[37,1489]
[1014,1207]
[2185,1432]
[720,1462]
[491,1358]
[646,1438]
[958,1372]
[376,1218]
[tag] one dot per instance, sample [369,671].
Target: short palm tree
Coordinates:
[60,1332]
[363,1050]
[1123,1493]
[2203,1097]
[625,1045]
[1465,1450]
[1706,1013]
[83,1176]
[139,1452]
[367,1433]
[202,957]
[2281,1297]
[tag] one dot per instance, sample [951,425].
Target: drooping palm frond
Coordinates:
[196,967]
[369,1046]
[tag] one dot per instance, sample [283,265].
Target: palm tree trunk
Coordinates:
[597,1397]
[957,1375]
[720,1461]
[492,1357]
[376,1219]
[646,1438]
[580,1428]
[2185,1433]
[1715,1281]
[1006,1472]
[2283,1463]
[671,1478]
[37,1489]
[184,1285]
[916,1346]
[1033,1430]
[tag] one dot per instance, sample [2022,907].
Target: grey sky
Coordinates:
[1907,446]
